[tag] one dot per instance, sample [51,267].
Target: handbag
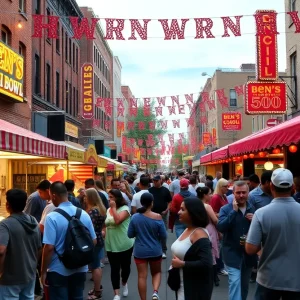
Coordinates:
[174,279]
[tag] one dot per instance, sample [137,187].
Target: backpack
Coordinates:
[79,245]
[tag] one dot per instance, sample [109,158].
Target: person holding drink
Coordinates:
[234,222]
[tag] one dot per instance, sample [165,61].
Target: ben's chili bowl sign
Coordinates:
[265,97]
[11,73]
[231,121]
[87,75]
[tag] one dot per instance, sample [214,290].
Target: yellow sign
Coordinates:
[71,130]
[11,73]
[91,156]
[102,163]
[75,155]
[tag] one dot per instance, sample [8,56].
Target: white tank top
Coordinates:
[180,248]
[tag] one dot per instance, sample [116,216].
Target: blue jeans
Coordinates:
[66,287]
[238,280]
[17,292]
[263,293]
[179,229]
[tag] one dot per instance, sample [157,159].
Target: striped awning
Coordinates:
[19,140]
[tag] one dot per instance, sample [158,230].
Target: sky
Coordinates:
[163,68]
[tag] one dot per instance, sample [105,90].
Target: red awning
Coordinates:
[205,158]
[17,139]
[221,153]
[284,134]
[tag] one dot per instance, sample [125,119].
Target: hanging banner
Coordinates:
[87,91]
[266,98]
[231,121]
[206,138]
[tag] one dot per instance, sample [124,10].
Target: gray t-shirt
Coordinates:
[21,235]
[175,187]
[276,226]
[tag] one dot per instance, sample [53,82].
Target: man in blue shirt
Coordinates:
[37,201]
[63,283]
[262,196]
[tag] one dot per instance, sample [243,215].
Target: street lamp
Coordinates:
[205,74]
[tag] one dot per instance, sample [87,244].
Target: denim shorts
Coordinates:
[98,255]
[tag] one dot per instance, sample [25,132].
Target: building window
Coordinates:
[74,103]
[293,62]
[67,97]
[57,91]
[70,51]
[5,35]
[37,7]
[292,5]
[58,40]
[76,59]
[233,100]
[71,106]
[37,75]
[48,83]
[66,46]
[48,12]
[22,5]
[77,104]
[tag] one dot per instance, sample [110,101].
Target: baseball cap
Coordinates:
[156,177]
[184,183]
[282,178]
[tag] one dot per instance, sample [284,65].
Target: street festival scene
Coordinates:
[149,151]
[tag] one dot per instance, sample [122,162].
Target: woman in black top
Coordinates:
[192,252]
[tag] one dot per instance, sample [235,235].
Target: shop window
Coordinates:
[22,6]
[5,35]
[57,89]
[233,98]
[48,83]
[37,75]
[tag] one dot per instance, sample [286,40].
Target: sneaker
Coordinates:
[125,290]
[164,256]
[155,296]
[117,297]
[102,265]
[223,272]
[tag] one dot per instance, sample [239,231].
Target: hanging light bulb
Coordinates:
[293,148]
[20,25]
[251,155]
[268,166]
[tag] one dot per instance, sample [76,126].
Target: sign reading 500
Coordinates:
[266,98]
[11,73]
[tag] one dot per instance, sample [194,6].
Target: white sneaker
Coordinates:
[117,297]
[155,296]
[164,256]
[223,272]
[125,290]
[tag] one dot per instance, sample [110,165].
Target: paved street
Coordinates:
[220,293]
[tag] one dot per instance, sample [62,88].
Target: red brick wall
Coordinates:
[57,61]
[18,113]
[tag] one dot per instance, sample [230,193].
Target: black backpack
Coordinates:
[79,246]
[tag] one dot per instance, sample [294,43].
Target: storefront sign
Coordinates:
[206,138]
[87,79]
[267,53]
[91,156]
[102,163]
[265,98]
[75,155]
[231,121]
[71,130]
[11,73]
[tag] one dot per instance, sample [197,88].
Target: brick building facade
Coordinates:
[56,68]
[16,28]
[98,53]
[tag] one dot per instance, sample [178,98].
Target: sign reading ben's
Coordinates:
[11,73]
[87,90]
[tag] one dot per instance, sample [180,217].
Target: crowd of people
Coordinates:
[245,228]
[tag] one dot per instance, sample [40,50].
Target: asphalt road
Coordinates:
[220,293]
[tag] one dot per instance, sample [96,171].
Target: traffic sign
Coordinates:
[272,122]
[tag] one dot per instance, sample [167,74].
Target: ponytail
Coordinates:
[142,210]
[201,191]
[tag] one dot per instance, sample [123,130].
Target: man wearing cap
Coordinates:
[275,228]
[175,207]
[162,199]
[175,185]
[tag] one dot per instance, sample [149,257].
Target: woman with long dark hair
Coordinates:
[117,244]
[148,229]
[192,252]
[205,194]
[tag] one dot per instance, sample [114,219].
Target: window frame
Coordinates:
[57,88]
[48,83]
[37,75]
